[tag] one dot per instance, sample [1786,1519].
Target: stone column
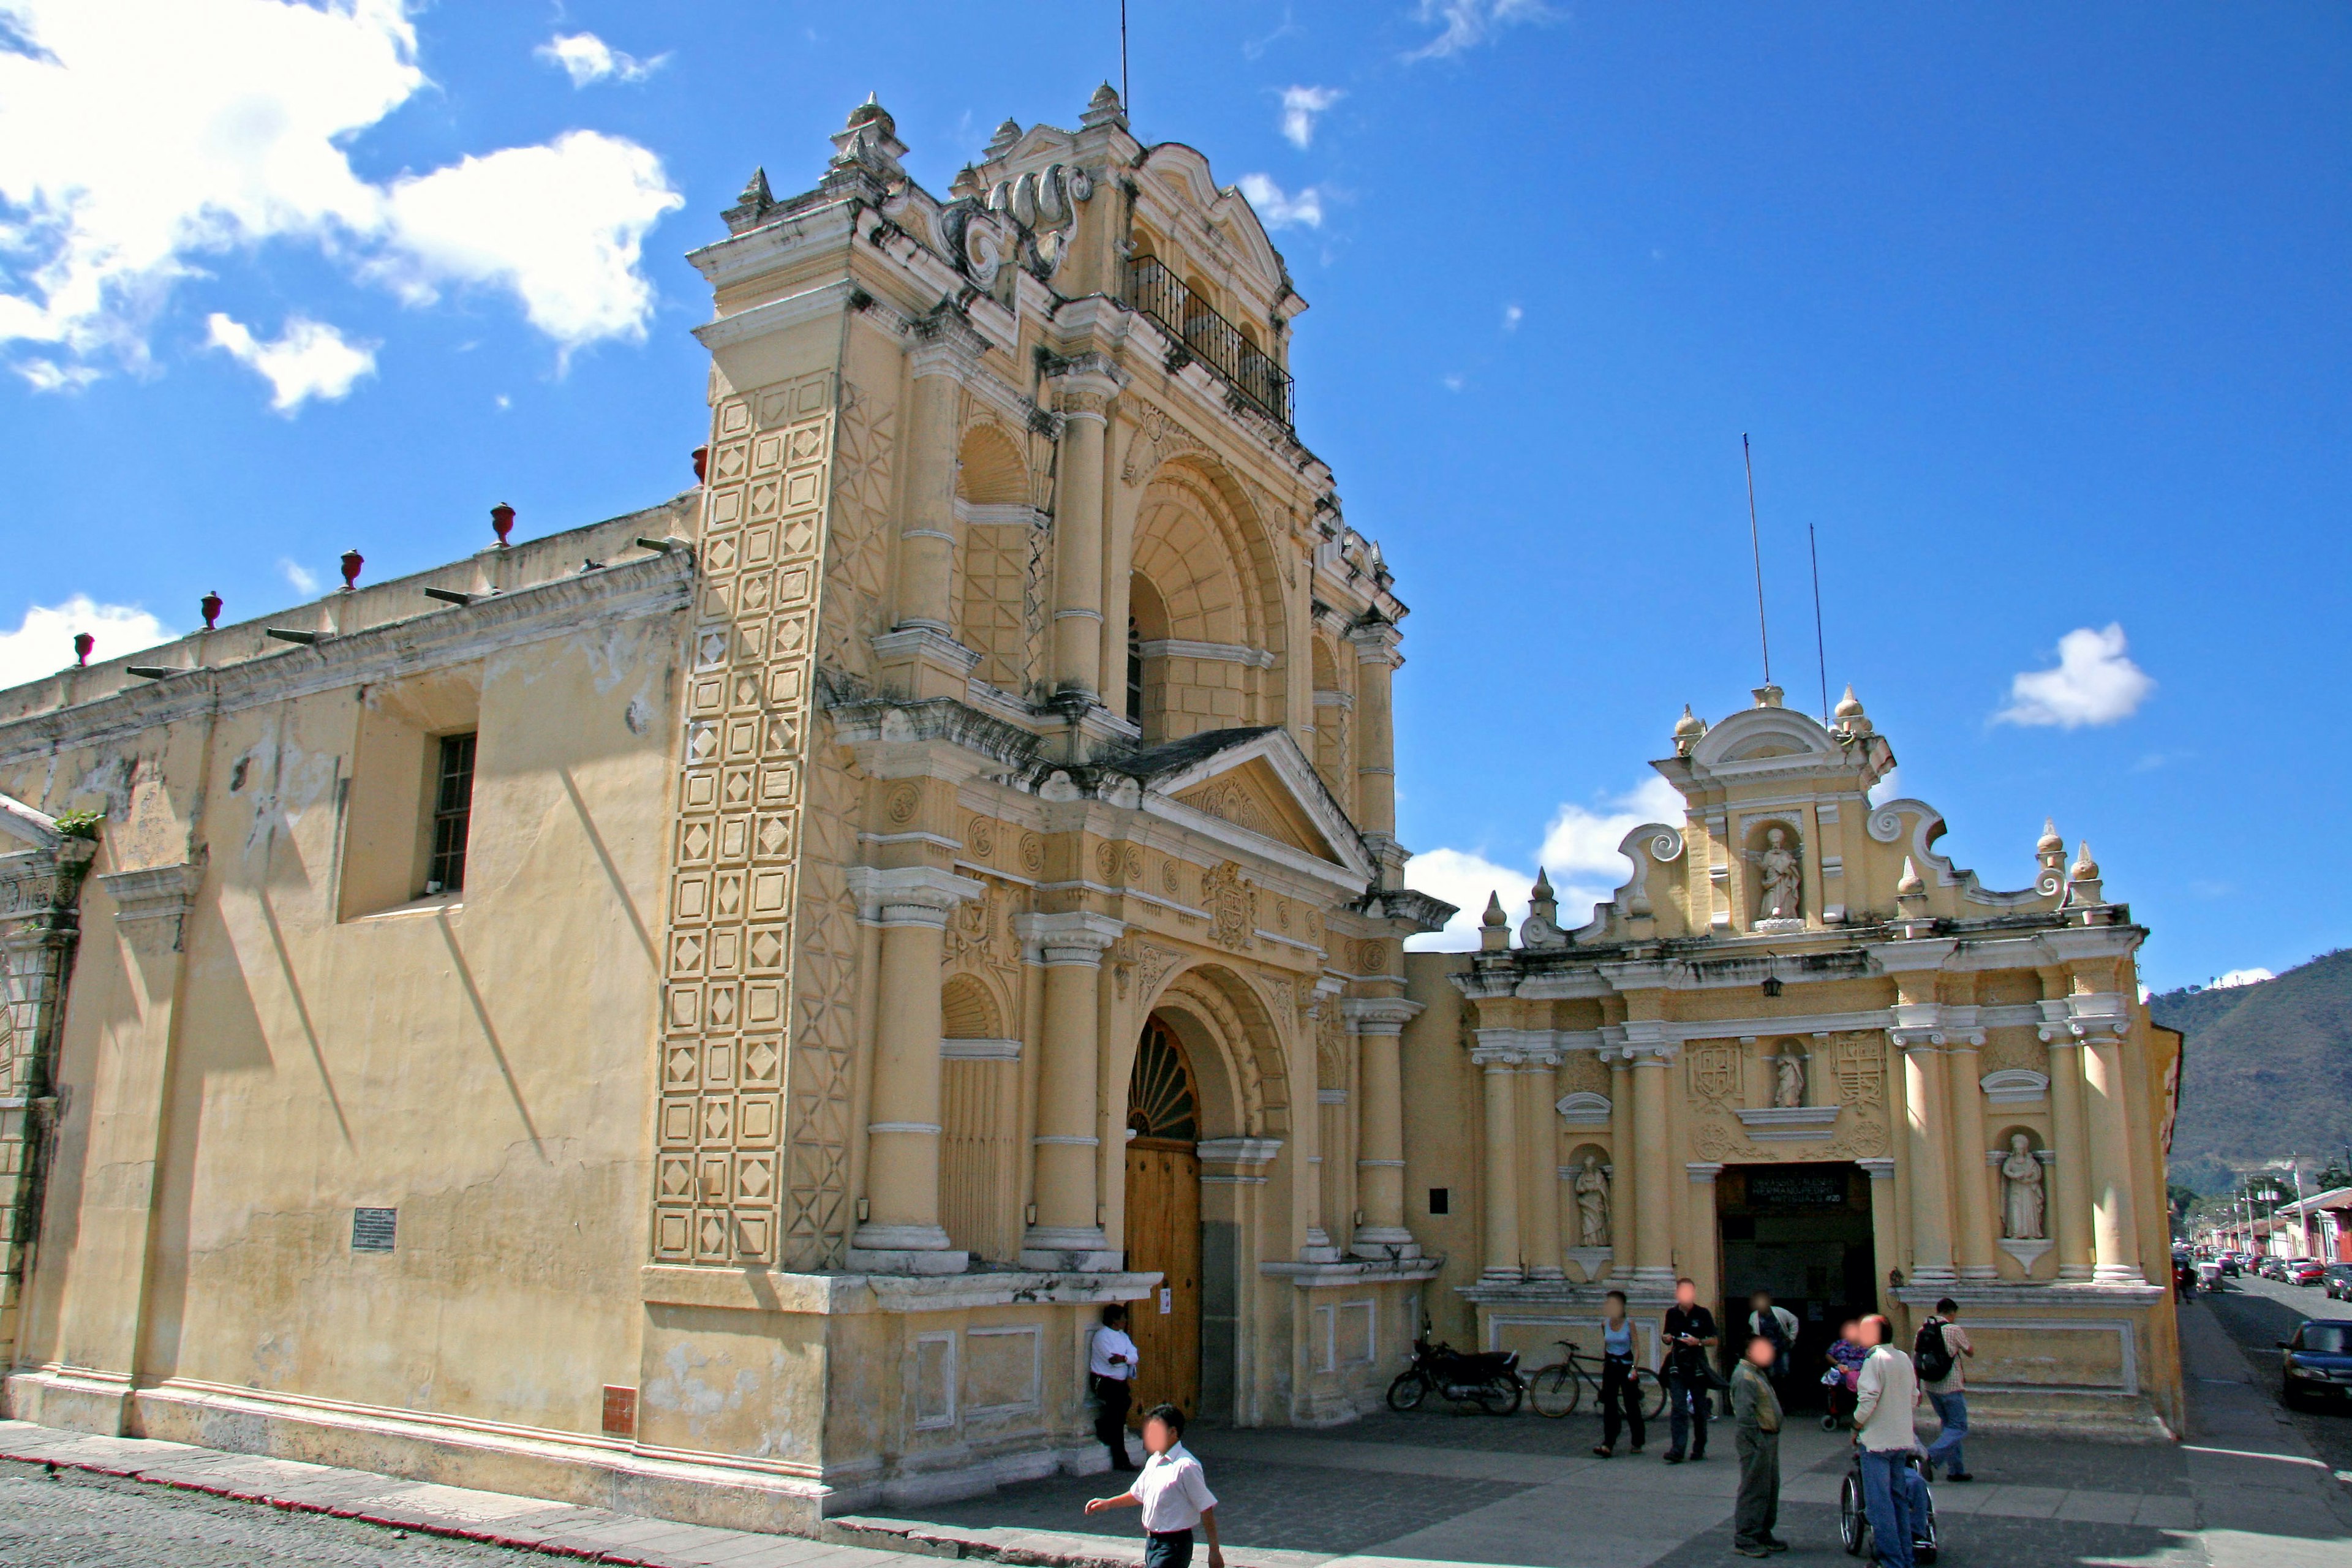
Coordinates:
[1086,389]
[1927,1127]
[1884,1238]
[2069,1192]
[1502,1195]
[1067,1233]
[1624,1183]
[2114,1226]
[1971,1189]
[1653,1163]
[1539,1141]
[901,1232]
[1376,661]
[926,563]
[1378,1023]
[1702,1268]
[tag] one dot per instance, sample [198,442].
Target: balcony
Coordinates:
[1199,332]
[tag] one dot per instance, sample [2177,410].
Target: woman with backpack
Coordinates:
[1941,1348]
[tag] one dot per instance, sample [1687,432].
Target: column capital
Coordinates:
[908,895]
[1078,937]
[1881,1170]
[1085,385]
[1704,1171]
[1376,643]
[1378,1015]
[946,343]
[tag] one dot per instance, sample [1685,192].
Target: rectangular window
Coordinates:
[1441,1200]
[453,810]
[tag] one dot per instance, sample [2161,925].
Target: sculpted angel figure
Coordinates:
[1592,1204]
[1788,1086]
[2020,1180]
[1779,876]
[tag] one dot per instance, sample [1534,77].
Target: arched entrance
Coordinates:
[1163,1219]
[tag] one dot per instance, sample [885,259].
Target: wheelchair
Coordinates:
[1854,1520]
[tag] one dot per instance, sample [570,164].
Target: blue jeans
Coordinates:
[1952,1410]
[1687,1409]
[1897,1501]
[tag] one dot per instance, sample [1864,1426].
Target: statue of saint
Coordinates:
[1788,1077]
[2020,1181]
[1592,1204]
[1780,878]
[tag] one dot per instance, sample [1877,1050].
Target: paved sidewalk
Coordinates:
[1415,1491]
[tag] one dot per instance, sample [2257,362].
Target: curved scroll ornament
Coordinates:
[1885,823]
[1662,843]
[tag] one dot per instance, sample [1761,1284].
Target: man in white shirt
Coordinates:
[1174,1492]
[1110,1368]
[1886,1396]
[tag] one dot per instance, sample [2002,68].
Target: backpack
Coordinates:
[1933,1356]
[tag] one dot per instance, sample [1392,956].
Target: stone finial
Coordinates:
[2050,842]
[1006,135]
[1769,696]
[967,186]
[1104,109]
[1543,883]
[2084,868]
[1494,915]
[1912,884]
[1687,731]
[753,204]
[1849,706]
[869,138]
[1494,931]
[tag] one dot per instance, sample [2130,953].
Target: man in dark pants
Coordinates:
[1110,1366]
[1756,1435]
[1689,1334]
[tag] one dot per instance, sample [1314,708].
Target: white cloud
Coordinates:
[1512,316]
[1889,788]
[43,645]
[1468,23]
[587,59]
[2237,977]
[1452,381]
[309,360]
[49,375]
[298,577]
[1578,852]
[1277,210]
[1300,105]
[2095,683]
[140,137]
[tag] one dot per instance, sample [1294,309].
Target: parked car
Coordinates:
[2338,1283]
[2230,1263]
[2272,1269]
[2306,1272]
[2317,1362]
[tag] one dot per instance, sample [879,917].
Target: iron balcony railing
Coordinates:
[1201,333]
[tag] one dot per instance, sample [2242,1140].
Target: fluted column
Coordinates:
[1539,1145]
[2114,1226]
[901,1232]
[1502,1194]
[1068,1232]
[1653,1162]
[1085,389]
[1972,1187]
[1376,660]
[1927,1125]
[1379,1026]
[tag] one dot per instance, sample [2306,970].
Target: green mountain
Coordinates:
[2268,1071]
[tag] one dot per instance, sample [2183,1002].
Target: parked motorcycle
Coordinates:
[1488,1379]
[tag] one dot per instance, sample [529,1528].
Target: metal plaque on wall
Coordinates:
[373,1229]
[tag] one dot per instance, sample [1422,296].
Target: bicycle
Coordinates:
[1556,1390]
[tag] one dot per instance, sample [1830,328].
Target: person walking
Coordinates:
[1621,1395]
[1939,1355]
[1689,1331]
[1893,1493]
[1174,1492]
[1755,1438]
[1110,1368]
[1775,1323]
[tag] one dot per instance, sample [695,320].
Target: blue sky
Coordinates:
[2037,316]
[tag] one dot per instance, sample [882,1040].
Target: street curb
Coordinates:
[1026,1548]
[414,1526]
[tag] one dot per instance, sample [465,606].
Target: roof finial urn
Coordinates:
[1002,142]
[1851,718]
[2050,842]
[1912,886]
[1493,926]
[870,137]
[1104,109]
[1687,731]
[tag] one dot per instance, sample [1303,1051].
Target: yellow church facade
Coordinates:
[698,1012]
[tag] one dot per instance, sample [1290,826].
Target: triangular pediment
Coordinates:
[1253,797]
[1255,789]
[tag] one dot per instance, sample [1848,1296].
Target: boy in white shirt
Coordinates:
[1174,1492]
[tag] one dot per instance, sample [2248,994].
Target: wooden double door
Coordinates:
[1163,1223]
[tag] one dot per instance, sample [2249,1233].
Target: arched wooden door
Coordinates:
[1164,1222]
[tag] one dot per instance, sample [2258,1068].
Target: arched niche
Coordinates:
[997,543]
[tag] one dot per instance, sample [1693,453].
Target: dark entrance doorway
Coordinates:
[1164,1222]
[1801,1232]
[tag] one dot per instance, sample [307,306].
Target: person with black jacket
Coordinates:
[1689,1334]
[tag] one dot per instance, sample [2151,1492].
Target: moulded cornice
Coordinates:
[728,262]
[1221,652]
[1378,1015]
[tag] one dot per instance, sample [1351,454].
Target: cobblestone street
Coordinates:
[2261,1312]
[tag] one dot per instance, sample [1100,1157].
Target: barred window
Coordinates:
[453,810]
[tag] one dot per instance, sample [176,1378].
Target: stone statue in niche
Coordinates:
[1591,1187]
[2021,1196]
[1789,1077]
[1781,879]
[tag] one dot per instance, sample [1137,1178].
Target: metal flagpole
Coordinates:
[1125,96]
[1756,545]
[1820,648]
